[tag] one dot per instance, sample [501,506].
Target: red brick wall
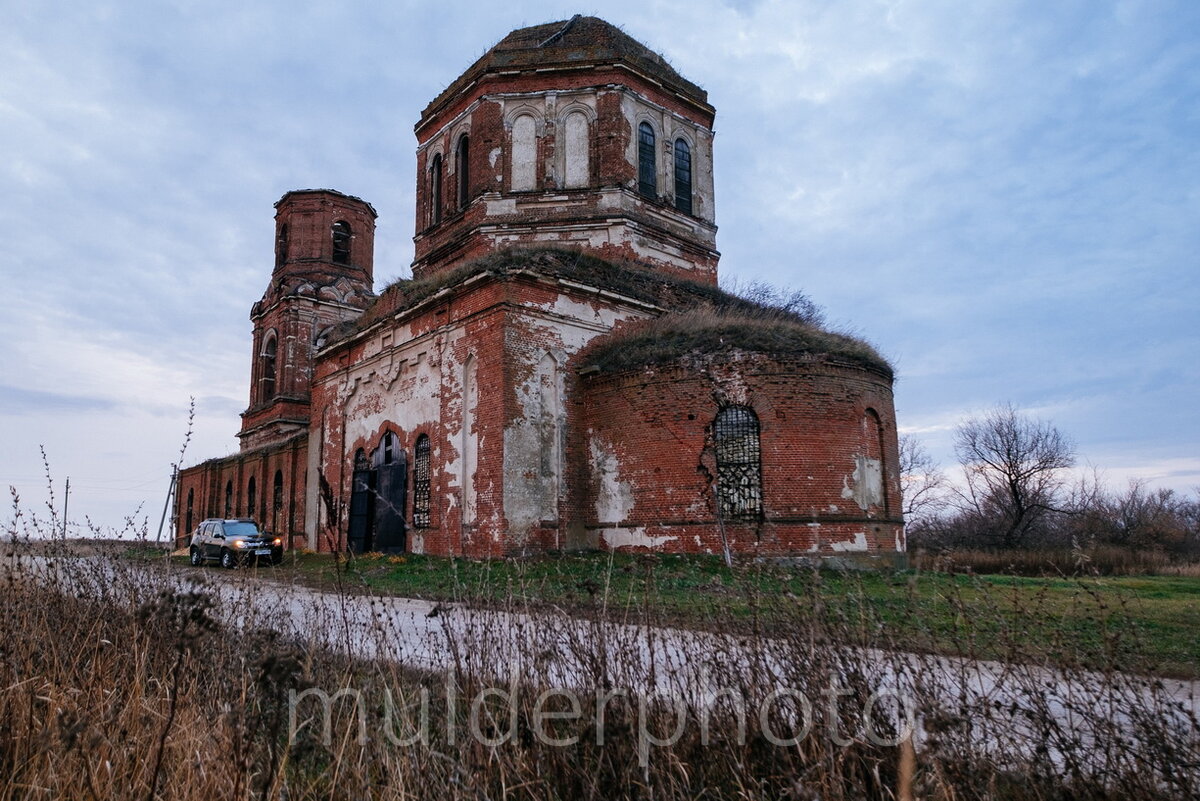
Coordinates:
[654,427]
[205,485]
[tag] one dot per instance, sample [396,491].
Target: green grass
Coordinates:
[1142,624]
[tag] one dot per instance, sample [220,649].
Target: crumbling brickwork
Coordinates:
[564,206]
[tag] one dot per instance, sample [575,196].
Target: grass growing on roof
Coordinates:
[699,317]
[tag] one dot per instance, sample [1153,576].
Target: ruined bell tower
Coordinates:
[324,251]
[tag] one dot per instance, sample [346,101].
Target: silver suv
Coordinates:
[232,542]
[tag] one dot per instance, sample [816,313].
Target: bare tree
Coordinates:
[1013,467]
[922,482]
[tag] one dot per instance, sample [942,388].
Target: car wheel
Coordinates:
[196,558]
[228,560]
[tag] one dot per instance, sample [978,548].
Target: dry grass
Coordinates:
[1101,560]
[129,685]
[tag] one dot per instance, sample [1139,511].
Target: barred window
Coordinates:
[251,497]
[421,482]
[683,176]
[228,499]
[739,463]
[647,169]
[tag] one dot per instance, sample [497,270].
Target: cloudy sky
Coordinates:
[1003,196]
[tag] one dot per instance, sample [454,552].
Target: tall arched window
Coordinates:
[190,505]
[251,496]
[524,154]
[647,169]
[277,501]
[739,464]
[422,496]
[228,499]
[341,242]
[683,176]
[435,189]
[462,168]
[268,369]
[389,449]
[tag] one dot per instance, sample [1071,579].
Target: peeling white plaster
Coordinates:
[631,538]
[859,543]
[865,485]
[614,497]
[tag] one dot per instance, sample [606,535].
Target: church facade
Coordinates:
[561,371]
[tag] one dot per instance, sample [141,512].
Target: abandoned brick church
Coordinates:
[562,370]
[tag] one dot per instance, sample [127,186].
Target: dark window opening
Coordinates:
[683,176]
[268,370]
[462,167]
[647,170]
[277,501]
[341,242]
[435,188]
[739,464]
[228,499]
[191,499]
[421,483]
[250,497]
[388,449]
[281,246]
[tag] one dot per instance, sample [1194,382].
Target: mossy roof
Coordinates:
[698,317]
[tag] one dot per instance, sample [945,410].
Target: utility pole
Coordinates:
[66,496]
[167,502]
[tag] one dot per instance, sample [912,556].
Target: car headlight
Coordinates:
[277,541]
[239,544]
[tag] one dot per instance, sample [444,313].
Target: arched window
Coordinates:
[683,176]
[341,242]
[524,154]
[268,369]
[191,500]
[389,448]
[739,464]
[647,170]
[228,499]
[421,483]
[435,189]
[277,501]
[251,497]
[577,168]
[281,246]
[462,167]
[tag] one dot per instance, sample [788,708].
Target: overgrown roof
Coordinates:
[698,317]
[718,332]
[571,43]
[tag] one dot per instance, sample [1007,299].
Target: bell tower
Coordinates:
[568,134]
[324,254]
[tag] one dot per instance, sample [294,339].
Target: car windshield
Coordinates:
[241,530]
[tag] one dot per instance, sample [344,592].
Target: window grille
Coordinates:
[250,497]
[739,464]
[421,483]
